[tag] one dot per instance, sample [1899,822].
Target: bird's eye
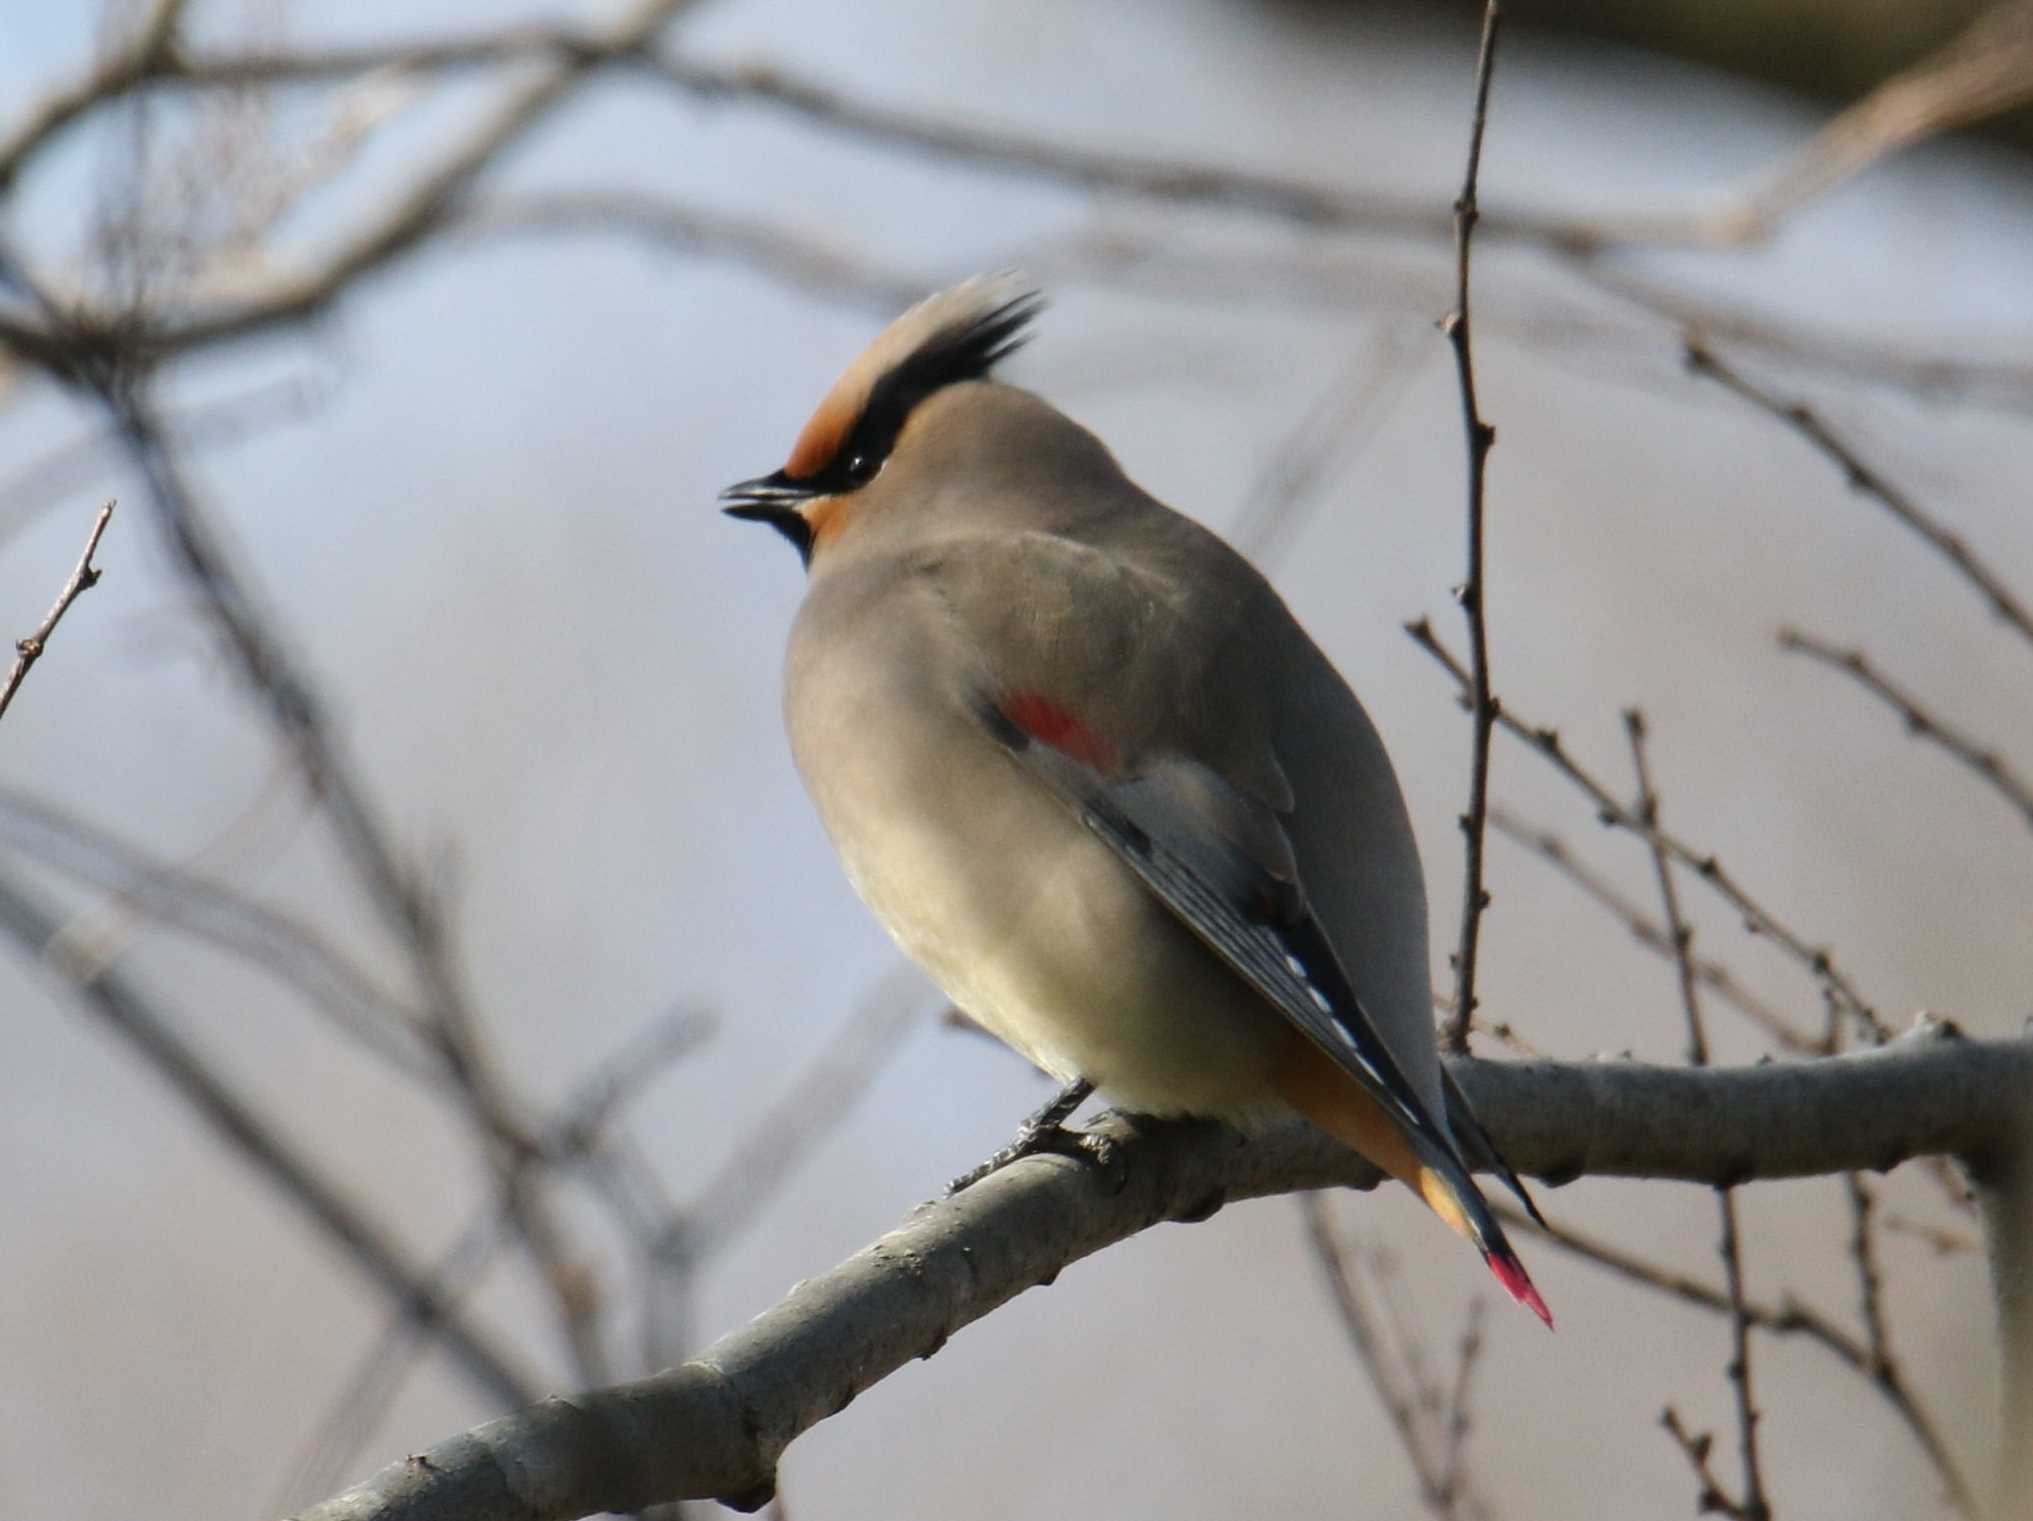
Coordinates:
[862,468]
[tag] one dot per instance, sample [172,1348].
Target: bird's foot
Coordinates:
[1045,1133]
[1046,1140]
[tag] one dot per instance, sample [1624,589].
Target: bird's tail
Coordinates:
[1338,1105]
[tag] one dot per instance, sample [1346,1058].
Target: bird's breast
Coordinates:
[1020,914]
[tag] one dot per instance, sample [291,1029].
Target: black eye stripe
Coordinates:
[966,352]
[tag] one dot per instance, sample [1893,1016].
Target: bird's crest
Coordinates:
[959,334]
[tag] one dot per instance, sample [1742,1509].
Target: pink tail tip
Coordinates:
[1518,1284]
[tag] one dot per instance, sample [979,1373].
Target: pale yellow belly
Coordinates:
[1030,924]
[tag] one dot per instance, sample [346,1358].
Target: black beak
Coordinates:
[773,499]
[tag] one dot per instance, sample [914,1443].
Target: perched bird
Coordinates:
[1093,777]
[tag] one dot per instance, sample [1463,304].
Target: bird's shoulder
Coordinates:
[1146,643]
[1078,593]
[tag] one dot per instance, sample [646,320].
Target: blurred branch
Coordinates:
[1454,1445]
[1339,423]
[1944,1241]
[1312,273]
[1986,70]
[619,1080]
[1365,1339]
[1845,357]
[1861,477]
[1712,974]
[71,349]
[809,1112]
[576,1133]
[286,947]
[2005,1195]
[1971,79]
[152,61]
[124,1008]
[1612,811]
[1863,1251]
[83,578]
[1983,71]
[363,1398]
[27,492]
[81,338]
[1987,763]
[777,252]
[1470,594]
[398,894]
[1408,1399]
[148,53]
[716,1425]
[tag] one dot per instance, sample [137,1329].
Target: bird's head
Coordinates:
[954,337]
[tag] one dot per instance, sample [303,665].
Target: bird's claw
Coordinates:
[1049,1139]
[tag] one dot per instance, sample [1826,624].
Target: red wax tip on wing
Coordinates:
[1518,1285]
[1050,724]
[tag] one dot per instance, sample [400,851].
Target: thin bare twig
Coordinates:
[1986,762]
[1679,934]
[1752,1506]
[1470,594]
[83,578]
[2004,602]
[1790,1318]
[1612,810]
[1712,974]
[1710,1496]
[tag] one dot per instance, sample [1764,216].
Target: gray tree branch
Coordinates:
[716,1425]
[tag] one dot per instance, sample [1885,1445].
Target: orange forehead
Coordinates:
[972,324]
[826,434]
